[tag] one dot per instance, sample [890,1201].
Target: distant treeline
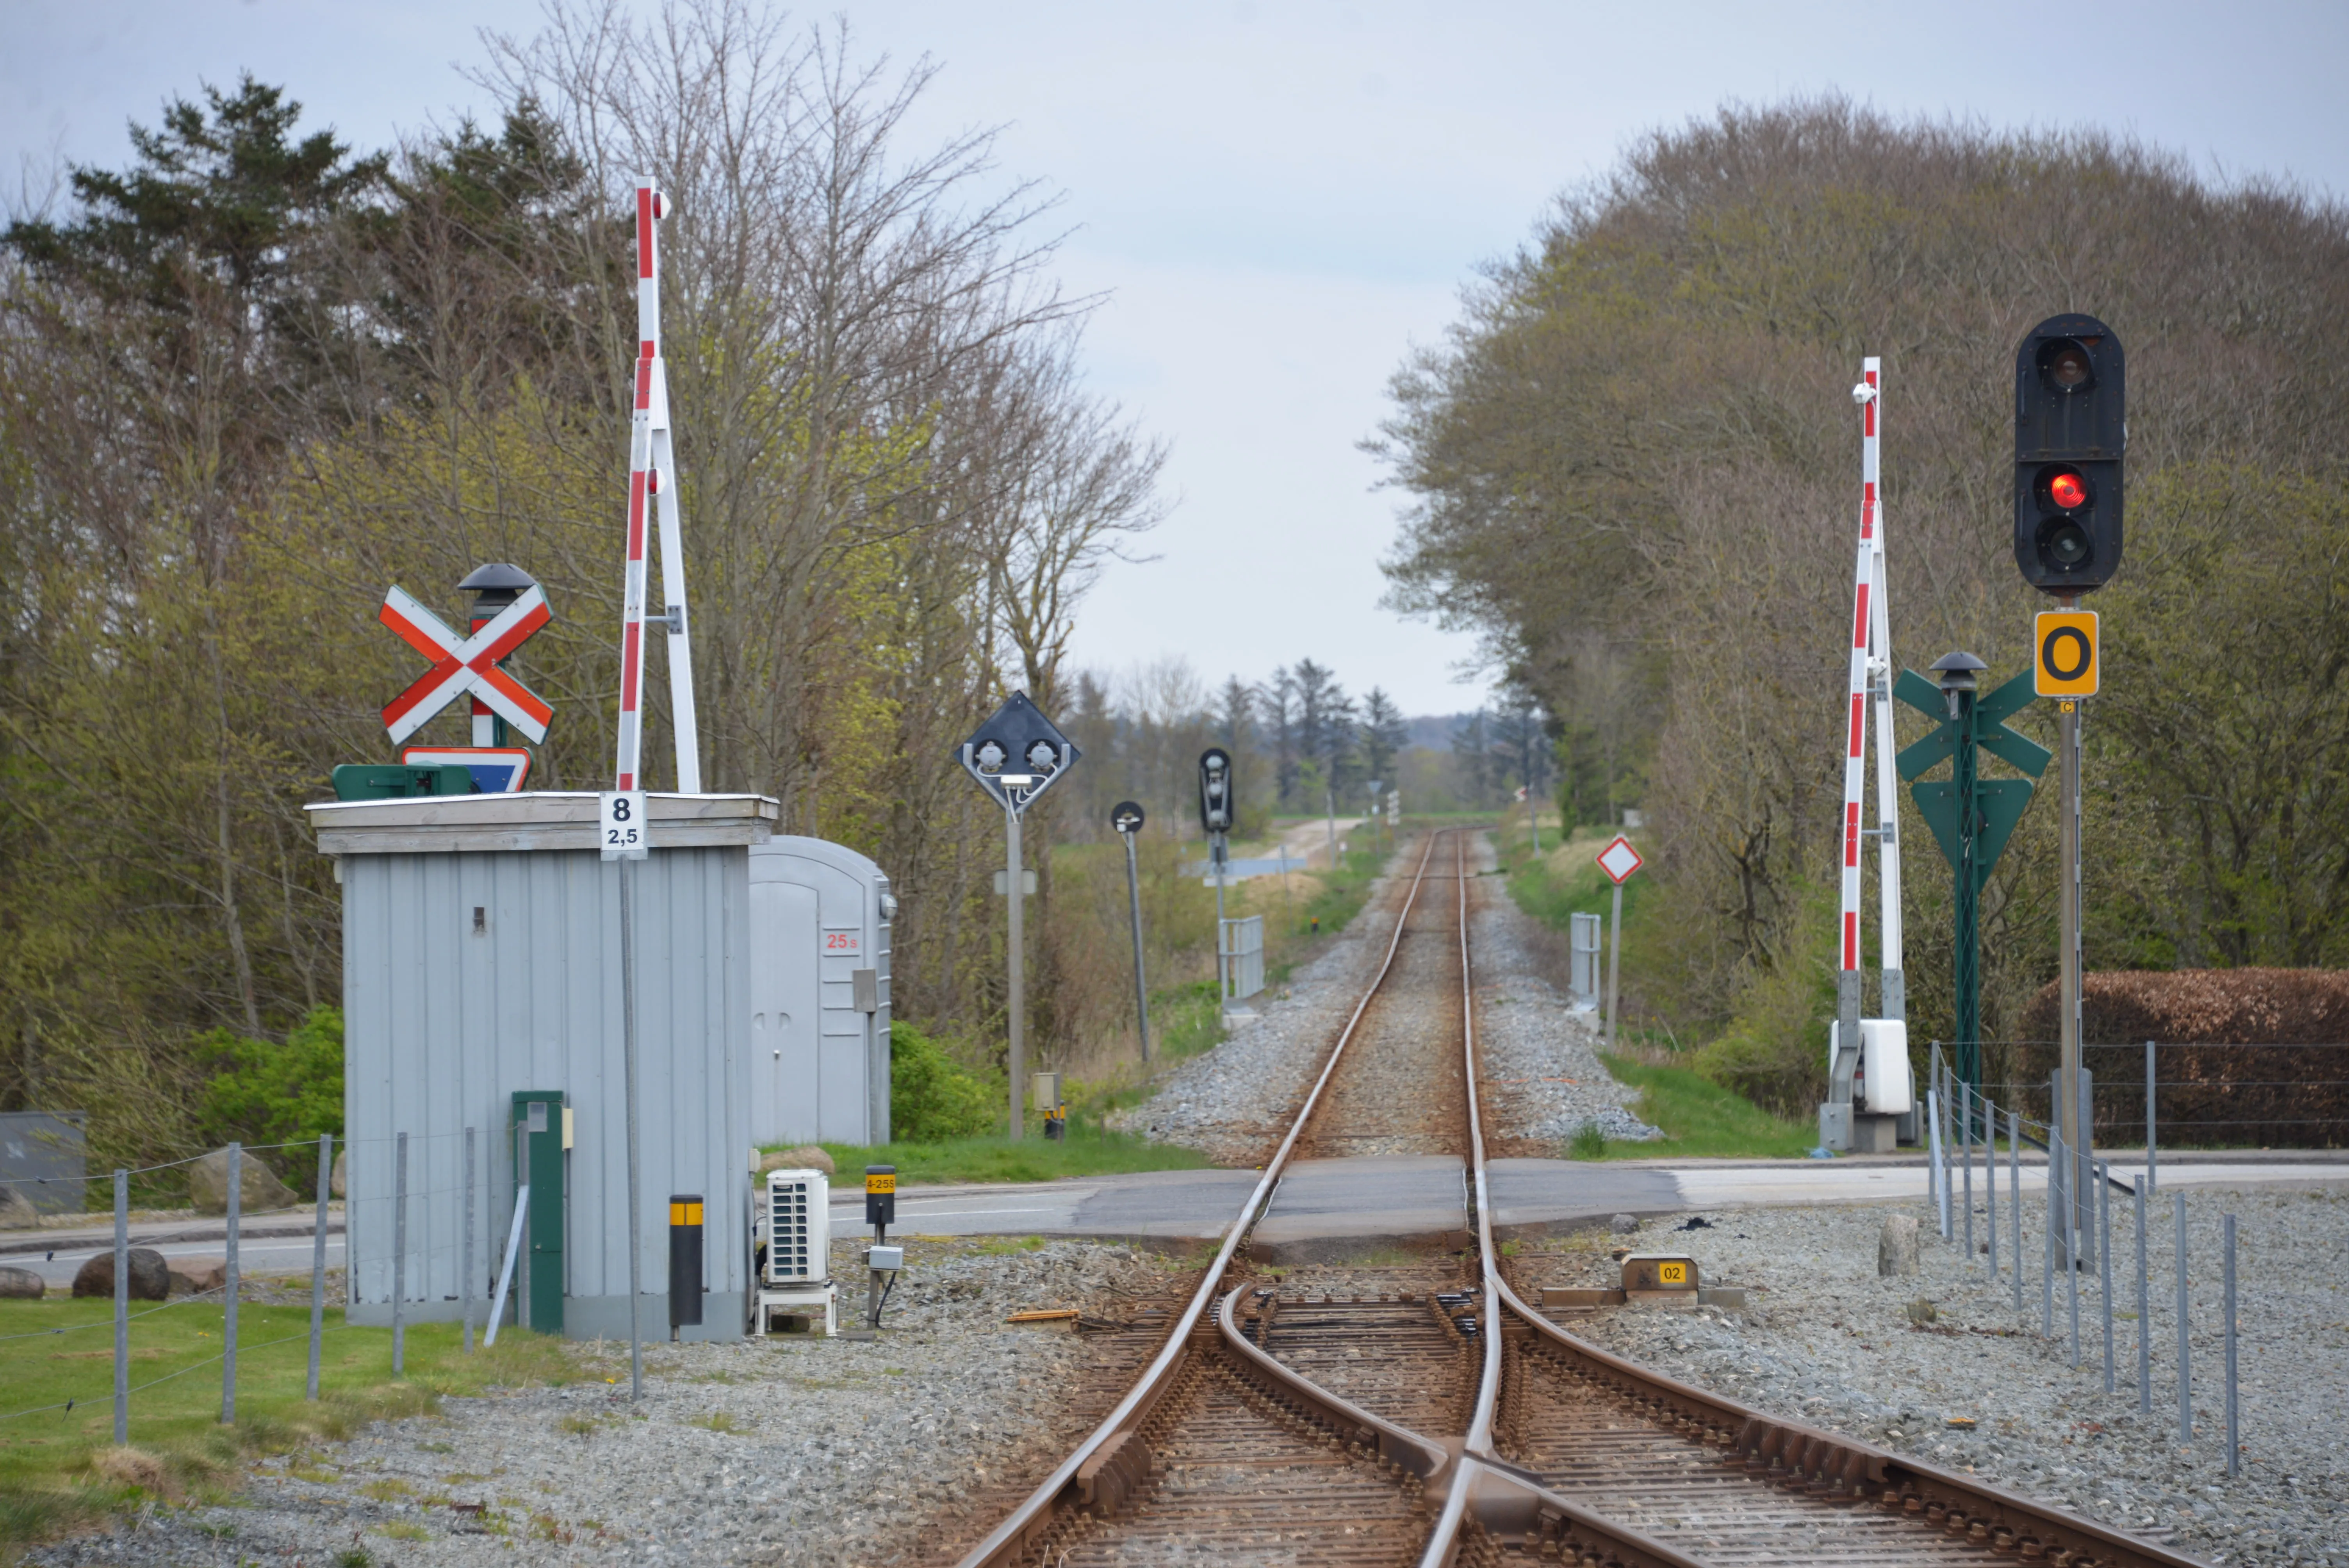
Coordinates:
[1634,470]
[1302,745]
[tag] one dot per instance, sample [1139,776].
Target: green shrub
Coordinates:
[263,1091]
[931,1098]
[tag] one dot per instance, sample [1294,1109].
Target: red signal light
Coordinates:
[2068,490]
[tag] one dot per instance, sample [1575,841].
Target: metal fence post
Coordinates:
[228,1314]
[2071,1270]
[2047,1269]
[2104,1255]
[2014,1187]
[1990,1177]
[319,1256]
[1940,1182]
[1966,1099]
[2144,1315]
[2151,1184]
[2185,1372]
[121,1308]
[465,1267]
[399,1258]
[2234,1443]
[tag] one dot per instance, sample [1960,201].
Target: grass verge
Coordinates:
[59,1469]
[1089,1149]
[1699,1118]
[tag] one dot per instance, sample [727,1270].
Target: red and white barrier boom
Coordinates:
[1869,686]
[652,485]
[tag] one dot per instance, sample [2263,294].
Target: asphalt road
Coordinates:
[1323,1207]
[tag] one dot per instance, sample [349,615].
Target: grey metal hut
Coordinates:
[480,964]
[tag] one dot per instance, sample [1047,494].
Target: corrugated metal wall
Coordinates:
[447,1018]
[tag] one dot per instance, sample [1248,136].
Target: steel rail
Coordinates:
[1844,1469]
[1790,1453]
[1466,1477]
[1100,1468]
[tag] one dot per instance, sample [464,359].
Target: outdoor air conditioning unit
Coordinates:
[799,1228]
[795,1288]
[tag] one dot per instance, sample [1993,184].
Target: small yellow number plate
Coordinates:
[880,1183]
[1671,1274]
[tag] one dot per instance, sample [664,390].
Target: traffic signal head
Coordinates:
[2070,426]
[1216,789]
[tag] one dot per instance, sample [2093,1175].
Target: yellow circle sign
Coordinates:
[2067,664]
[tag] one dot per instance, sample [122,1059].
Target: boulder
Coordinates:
[1624,1224]
[16,1211]
[1895,1246]
[193,1276]
[807,1157]
[22,1284]
[340,1183]
[208,1185]
[150,1276]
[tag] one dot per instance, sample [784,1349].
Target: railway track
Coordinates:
[1427,1414]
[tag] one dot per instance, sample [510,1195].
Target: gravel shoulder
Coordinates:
[784,1451]
[1543,1077]
[1235,1101]
[1827,1340]
[1543,1081]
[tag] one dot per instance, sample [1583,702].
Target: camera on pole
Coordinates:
[2070,426]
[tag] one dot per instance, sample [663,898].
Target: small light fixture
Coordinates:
[1959,672]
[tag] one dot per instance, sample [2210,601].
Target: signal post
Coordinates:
[2071,431]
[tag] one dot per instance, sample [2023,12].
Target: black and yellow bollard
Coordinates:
[882,1261]
[684,1262]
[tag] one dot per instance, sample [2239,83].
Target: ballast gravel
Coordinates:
[1542,1079]
[1235,1101]
[1824,1339]
[1542,1070]
[784,1452]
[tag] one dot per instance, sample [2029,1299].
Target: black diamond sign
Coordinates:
[1018,754]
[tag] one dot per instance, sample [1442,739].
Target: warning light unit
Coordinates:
[2071,425]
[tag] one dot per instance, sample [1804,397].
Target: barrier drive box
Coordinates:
[820,917]
[481,962]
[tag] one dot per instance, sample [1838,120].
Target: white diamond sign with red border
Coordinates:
[1619,859]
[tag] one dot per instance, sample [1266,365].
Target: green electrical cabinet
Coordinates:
[541,1133]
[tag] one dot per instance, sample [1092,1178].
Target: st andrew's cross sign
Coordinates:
[463,665]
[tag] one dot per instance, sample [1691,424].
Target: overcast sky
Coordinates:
[1280,199]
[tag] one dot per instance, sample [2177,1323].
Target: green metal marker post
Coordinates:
[1972,817]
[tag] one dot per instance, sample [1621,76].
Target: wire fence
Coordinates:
[1963,1124]
[466,1257]
[2191,1093]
